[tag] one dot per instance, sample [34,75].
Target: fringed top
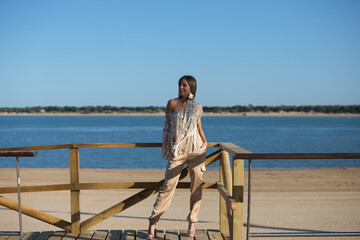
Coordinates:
[180,133]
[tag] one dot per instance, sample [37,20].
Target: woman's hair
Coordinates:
[191,81]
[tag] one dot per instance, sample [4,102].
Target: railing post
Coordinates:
[238,195]
[75,194]
[226,181]
[19,196]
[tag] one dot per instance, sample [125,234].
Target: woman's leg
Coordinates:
[167,191]
[196,175]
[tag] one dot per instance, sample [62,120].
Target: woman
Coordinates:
[183,142]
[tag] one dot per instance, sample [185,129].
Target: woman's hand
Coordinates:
[204,145]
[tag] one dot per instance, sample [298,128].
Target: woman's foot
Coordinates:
[191,229]
[151,232]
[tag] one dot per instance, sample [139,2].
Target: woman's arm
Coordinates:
[202,135]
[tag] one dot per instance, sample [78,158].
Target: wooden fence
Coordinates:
[230,187]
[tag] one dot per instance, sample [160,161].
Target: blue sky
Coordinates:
[132,53]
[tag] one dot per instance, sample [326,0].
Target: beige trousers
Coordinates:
[172,174]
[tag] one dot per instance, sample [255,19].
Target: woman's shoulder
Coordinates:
[171,105]
[172,101]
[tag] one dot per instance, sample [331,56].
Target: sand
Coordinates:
[282,200]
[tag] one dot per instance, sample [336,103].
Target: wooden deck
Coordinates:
[113,235]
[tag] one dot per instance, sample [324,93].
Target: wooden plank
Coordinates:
[14,237]
[70,236]
[142,235]
[4,237]
[57,235]
[298,155]
[100,235]
[215,156]
[229,200]
[86,235]
[226,171]
[215,235]
[134,185]
[35,213]
[226,180]
[114,145]
[128,235]
[39,188]
[75,194]
[171,234]
[238,195]
[114,235]
[36,148]
[30,235]
[18,154]
[117,185]
[43,235]
[160,235]
[92,186]
[201,235]
[90,145]
[184,235]
[124,145]
[233,149]
[226,236]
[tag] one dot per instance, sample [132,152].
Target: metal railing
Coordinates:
[272,156]
[17,155]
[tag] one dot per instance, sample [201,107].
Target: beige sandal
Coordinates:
[191,233]
[151,232]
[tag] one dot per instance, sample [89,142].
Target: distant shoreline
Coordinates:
[223,114]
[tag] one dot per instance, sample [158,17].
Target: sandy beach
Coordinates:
[282,200]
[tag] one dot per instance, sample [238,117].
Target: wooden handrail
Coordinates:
[233,149]
[35,148]
[91,145]
[241,153]
[18,154]
[298,155]
[98,186]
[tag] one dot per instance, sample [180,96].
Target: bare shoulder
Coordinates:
[171,105]
[173,101]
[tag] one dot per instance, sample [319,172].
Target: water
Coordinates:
[257,134]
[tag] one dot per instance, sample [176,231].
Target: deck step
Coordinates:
[170,234]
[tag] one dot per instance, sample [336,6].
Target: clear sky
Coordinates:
[132,53]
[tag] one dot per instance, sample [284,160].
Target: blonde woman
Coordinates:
[183,142]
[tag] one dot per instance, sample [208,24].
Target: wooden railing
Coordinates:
[230,186]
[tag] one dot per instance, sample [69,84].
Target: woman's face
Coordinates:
[184,88]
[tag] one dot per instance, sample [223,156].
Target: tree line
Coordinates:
[207,109]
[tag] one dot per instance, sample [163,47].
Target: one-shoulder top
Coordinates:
[180,132]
